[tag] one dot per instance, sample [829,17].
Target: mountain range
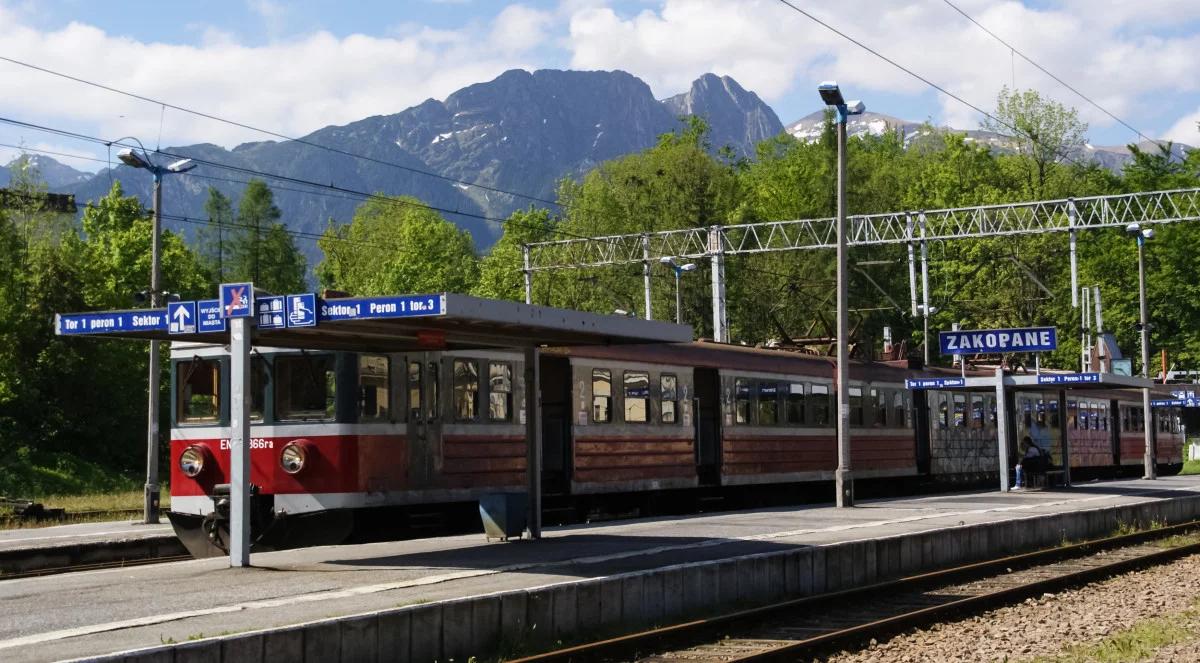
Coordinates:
[521,132]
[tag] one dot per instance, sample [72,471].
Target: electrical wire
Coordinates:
[267,132]
[1045,71]
[1055,149]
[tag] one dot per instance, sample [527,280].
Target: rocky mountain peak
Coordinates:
[736,116]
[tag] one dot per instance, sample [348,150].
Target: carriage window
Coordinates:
[795,403]
[1103,417]
[818,404]
[258,386]
[879,416]
[198,391]
[374,403]
[856,406]
[668,393]
[1097,417]
[898,409]
[943,401]
[431,404]
[1073,415]
[960,410]
[414,391]
[305,387]
[768,403]
[741,401]
[637,397]
[991,410]
[976,411]
[601,395]
[466,389]
[499,391]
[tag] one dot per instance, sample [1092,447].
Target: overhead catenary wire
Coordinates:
[1042,69]
[1056,149]
[267,132]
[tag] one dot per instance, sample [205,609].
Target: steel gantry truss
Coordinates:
[914,228]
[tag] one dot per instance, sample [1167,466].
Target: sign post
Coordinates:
[237,305]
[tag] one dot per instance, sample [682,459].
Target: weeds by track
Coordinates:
[811,626]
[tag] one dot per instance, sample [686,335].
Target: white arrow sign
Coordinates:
[182,317]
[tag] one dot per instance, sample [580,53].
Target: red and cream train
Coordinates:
[344,441]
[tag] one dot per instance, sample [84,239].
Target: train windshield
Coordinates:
[198,391]
[305,387]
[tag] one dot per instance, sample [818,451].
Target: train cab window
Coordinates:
[637,397]
[414,391]
[768,403]
[499,391]
[795,403]
[879,413]
[374,401]
[856,406]
[818,404]
[198,391]
[466,389]
[305,387]
[601,395]
[742,398]
[668,393]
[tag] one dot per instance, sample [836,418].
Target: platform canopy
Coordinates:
[444,321]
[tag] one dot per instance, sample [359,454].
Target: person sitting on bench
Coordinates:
[1035,461]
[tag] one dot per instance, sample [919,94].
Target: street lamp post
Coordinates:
[679,270]
[831,94]
[1141,235]
[142,161]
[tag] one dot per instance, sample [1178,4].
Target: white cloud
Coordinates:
[293,86]
[1108,53]
[1186,130]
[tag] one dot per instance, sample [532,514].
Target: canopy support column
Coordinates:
[239,442]
[1066,442]
[533,434]
[1002,429]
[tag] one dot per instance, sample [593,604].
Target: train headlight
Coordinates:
[292,458]
[191,461]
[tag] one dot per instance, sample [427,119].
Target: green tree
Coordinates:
[261,250]
[214,240]
[397,245]
[1043,133]
[501,274]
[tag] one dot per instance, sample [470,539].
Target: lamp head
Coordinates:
[133,159]
[621,311]
[181,166]
[831,94]
[1133,228]
[1148,233]
[855,107]
[667,260]
[690,267]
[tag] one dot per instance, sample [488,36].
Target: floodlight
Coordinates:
[831,94]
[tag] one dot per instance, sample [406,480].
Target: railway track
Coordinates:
[813,626]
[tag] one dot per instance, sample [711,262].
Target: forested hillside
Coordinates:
[72,410]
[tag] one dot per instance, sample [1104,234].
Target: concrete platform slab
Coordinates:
[401,588]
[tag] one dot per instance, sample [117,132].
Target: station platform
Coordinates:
[42,548]
[459,596]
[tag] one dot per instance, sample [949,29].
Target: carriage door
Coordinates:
[556,425]
[423,375]
[708,426]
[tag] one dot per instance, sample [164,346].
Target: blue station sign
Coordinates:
[237,300]
[377,308]
[934,383]
[1070,378]
[268,313]
[302,310]
[73,324]
[1176,402]
[208,316]
[995,341]
[181,318]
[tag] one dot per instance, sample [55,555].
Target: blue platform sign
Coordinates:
[302,310]
[73,324]
[237,300]
[268,313]
[934,383]
[1070,378]
[378,308]
[208,316]
[181,318]
[1176,402]
[995,341]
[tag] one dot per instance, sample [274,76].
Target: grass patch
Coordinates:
[1190,467]
[33,476]
[1132,644]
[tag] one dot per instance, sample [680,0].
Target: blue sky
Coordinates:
[297,66]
